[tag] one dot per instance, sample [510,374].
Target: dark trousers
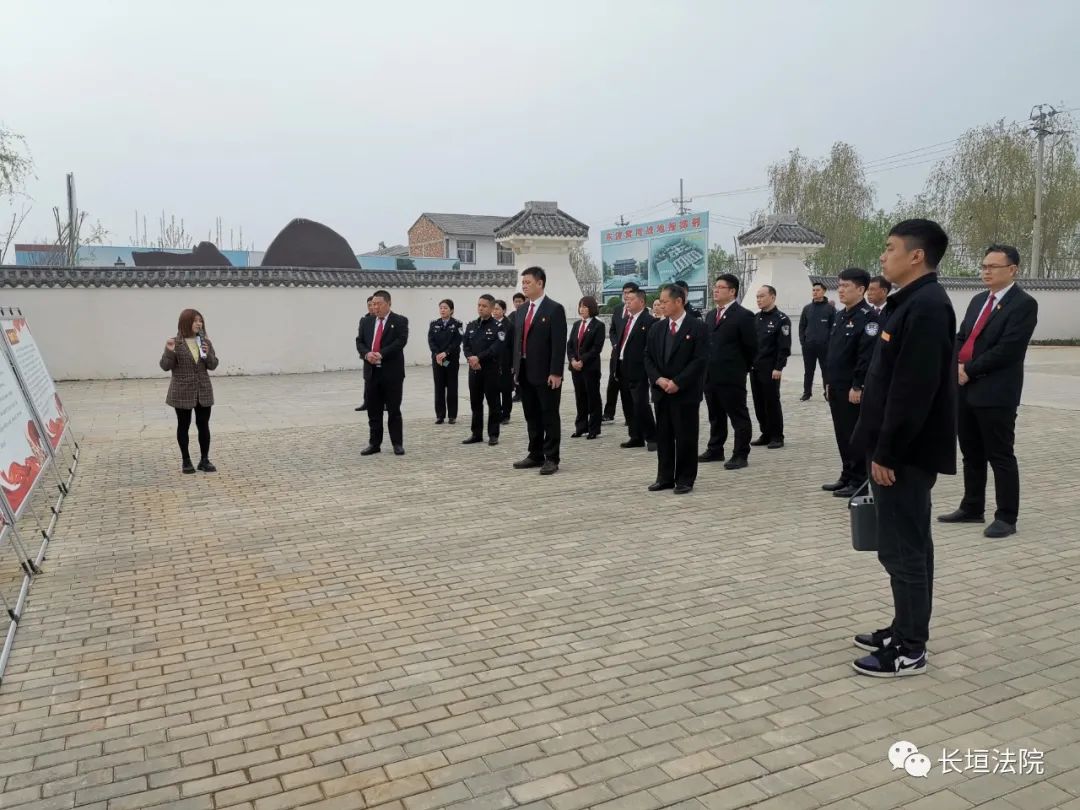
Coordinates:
[485,385]
[446,390]
[813,354]
[906,550]
[770,415]
[637,410]
[844,417]
[676,441]
[506,392]
[202,424]
[587,401]
[384,394]
[540,404]
[987,435]
[613,391]
[728,402]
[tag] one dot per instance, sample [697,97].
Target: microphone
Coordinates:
[199,340]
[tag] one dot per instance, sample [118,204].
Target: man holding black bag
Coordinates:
[907,430]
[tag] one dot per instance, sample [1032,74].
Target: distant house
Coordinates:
[393,250]
[468,238]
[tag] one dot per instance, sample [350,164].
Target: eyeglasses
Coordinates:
[986,267]
[722,287]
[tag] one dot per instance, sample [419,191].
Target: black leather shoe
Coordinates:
[840,483]
[206,466]
[188,468]
[505,420]
[656,486]
[549,468]
[593,436]
[452,420]
[760,441]
[736,463]
[776,444]
[682,489]
[999,528]
[439,421]
[960,516]
[708,456]
[607,418]
[473,440]
[527,463]
[577,434]
[805,397]
[360,408]
[845,491]
[399,450]
[370,450]
[631,443]
[493,441]
[651,447]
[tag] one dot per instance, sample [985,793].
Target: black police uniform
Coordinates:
[774,349]
[851,345]
[445,336]
[815,327]
[485,340]
[506,365]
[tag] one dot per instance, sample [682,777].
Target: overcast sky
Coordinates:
[362,115]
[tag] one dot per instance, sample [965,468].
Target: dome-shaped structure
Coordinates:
[305,243]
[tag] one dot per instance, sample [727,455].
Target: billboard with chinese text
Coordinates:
[653,254]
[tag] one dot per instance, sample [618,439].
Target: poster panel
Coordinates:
[653,254]
[40,387]
[23,453]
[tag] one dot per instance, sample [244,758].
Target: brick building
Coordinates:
[468,238]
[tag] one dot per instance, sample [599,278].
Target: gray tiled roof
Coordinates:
[393,250]
[974,283]
[14,276]
[781,229]
[466,224]
[542,219]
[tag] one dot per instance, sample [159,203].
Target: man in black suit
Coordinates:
[675,356]
[363,404]
[618,318]
[539,358]
[519,302]
[877,293]
[629,357]
[732,348]
[691,310]
[381,340]
[992,341]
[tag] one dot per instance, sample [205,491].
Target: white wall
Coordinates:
[108,333]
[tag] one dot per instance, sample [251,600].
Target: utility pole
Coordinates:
[681,201]
[622,223]
[1041,117]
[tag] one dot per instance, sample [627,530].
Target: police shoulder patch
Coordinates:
[786,329]
[872,328]
[502,335]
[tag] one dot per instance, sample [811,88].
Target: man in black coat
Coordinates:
[774,349]
[370,314]
[732,349]
[512,316]
[381,343]
[907,429]
[618,318]
[628,355]
[539,362]
[675,355]
[483,347]
[815,324]
[992,344]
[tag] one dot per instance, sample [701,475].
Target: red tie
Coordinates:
[968,349]
[673,328]
[528,326]
[626,331]
[376,344]
[719,315]
[580,335]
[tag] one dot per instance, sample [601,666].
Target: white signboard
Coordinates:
[23,453]
[40,387]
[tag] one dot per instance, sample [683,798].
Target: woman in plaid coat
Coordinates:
[189,356]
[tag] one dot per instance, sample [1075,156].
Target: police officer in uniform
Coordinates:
[484,344]
[506,361]
[444,341]
[815,326]
[851,345]
[774,349]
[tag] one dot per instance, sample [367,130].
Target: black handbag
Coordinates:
[864,534]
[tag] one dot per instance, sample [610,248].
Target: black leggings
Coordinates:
[202,422]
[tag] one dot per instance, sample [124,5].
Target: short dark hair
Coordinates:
[818,284]
[1011,253]
[449,303]
[882,282]
[856,275]
[683,284]
[675,291]
[537,273]
[925,235]
[500,303]
[383,294]
[640,293]
[730,279]
[771,289]
[369,298]
[631,286]
[488,297]
[518,297]
[590,302]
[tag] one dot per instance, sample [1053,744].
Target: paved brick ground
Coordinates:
[309,628]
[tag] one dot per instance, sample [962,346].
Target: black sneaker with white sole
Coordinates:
[872,642]
[892,662]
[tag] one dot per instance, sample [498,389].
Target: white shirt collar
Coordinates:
[999,295]
[535,304]
[678,323]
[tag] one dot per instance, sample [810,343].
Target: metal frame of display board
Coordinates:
[29,569]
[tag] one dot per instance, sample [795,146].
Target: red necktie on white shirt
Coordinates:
[376,343]
[968,349]
[580,335]
[673,328]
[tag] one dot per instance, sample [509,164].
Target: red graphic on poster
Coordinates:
[40,388]
[18,479]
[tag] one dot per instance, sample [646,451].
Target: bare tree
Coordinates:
[586,271]
[15,166]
